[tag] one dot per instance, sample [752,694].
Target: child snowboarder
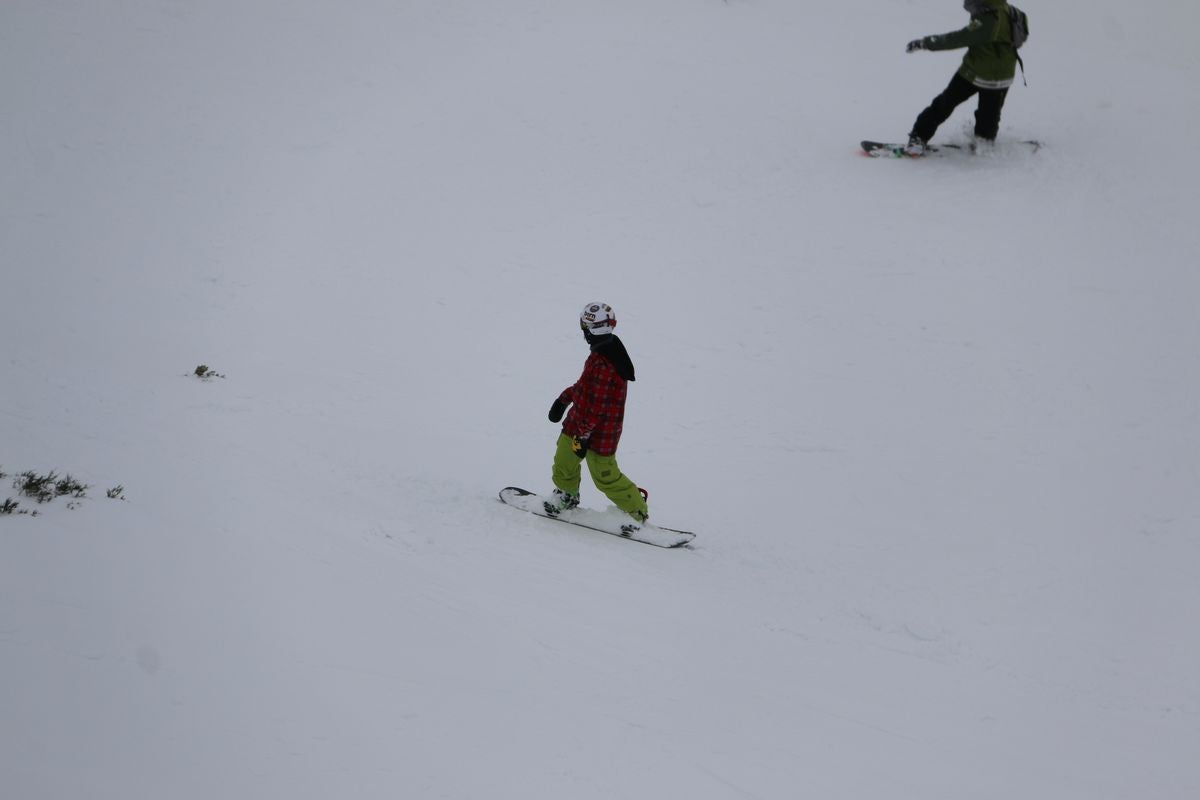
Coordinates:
[593,425]
[987,69]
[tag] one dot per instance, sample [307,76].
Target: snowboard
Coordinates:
[614,521]
[896,149]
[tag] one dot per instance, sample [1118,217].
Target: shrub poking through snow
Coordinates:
[47,488]
[205,374]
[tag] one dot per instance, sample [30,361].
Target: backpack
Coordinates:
[1018,22]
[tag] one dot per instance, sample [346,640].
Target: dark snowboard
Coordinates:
[896,149]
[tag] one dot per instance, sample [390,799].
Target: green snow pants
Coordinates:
[605,474]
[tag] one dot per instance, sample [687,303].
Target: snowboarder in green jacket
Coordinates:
[987,69]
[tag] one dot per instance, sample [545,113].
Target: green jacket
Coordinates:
[991,60]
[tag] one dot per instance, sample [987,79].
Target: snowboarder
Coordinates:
[593,426]
[987,69]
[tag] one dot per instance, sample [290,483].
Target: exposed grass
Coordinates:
[48,487]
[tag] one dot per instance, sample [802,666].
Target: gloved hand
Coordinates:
[579,446]
[557,410]
[914,45]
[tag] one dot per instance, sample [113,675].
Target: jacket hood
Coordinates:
[614,350]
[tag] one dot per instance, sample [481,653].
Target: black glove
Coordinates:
[914,45]
[579,446]
[557,410]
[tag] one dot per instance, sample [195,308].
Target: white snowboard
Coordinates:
[613,522]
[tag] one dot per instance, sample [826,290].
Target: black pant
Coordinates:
[987,115]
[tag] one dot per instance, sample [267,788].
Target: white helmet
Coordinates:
[597,319]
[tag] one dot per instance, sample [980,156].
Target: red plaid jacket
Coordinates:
[597,405]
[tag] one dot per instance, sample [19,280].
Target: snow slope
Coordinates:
[936,423]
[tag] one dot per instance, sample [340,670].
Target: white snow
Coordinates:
[936,424]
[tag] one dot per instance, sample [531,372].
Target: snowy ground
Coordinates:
[936,423]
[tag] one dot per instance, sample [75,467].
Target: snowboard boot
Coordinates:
[915,147]
[559,502]
[638,519]
[983,147]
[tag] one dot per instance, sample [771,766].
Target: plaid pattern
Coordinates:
[597,405]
